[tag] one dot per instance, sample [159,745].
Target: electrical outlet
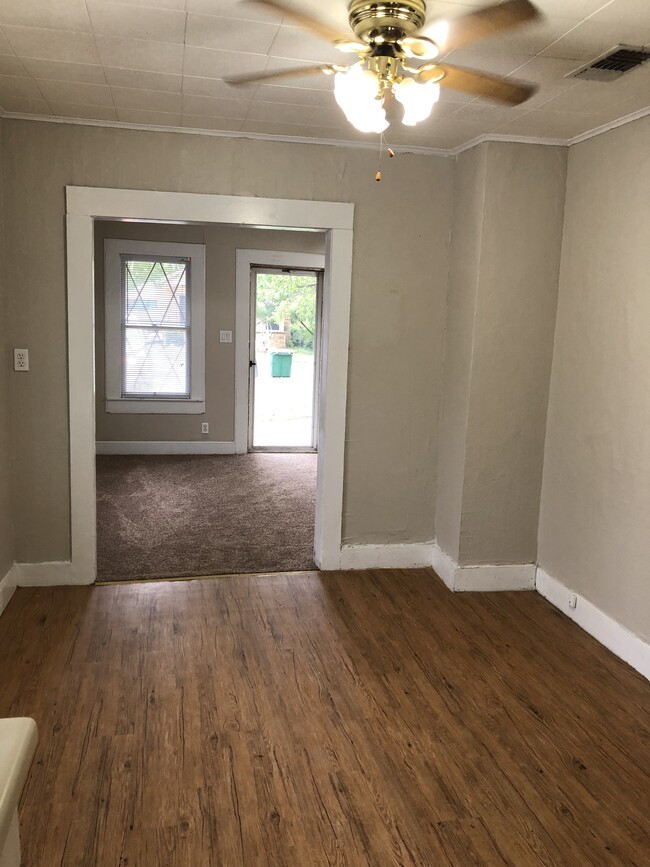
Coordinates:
[21,359]
[573,600]
[205,427]
[225,336]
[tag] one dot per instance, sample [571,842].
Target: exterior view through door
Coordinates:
[284,342]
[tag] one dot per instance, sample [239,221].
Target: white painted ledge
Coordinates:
[625,644]
[399,556]
[7,589]
[55,574]
[508,576]
[165,448]
[18,738]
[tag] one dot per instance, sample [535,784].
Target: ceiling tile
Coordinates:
[207,105]
[157,4]
[297,44]
[591,38]
[52,44]
[76,94]
[230,9]
[156,118]
[276,111]
[137,22]
[10,65]
[60,14]
[137,78]
[146,100]
[218,123]
[213,63]
[58,70]
[84,112]
[293,95]
[139,54]
[586,96]
[528,39]
[5,48]
[216,87]
[633,11]
[493,64]
[547,125]
[25,106]
[207,31]
[19,86]
[489,116]
[546,70]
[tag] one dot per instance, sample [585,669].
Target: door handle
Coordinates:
[252,363]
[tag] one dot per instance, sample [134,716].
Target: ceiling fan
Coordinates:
[388,41]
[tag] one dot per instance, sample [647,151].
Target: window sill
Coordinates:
[145,406]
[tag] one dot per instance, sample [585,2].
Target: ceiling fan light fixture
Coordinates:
[419,47]
[357,93]
[417,99]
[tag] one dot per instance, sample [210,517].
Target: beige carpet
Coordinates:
[169,516]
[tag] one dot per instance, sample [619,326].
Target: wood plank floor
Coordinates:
[368,718]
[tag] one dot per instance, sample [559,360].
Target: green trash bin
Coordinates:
[281,363]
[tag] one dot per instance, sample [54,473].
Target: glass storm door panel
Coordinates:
[285,359]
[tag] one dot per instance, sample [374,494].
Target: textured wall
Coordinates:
[6,532]
[221,243]
[595,514]
[512,351]
[398,299]
[504,264]
[464,260]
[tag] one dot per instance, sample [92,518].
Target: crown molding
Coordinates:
[517,139]
[339,143]
[606,127]
[221,133]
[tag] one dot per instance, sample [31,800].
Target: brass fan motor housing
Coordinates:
[388,20]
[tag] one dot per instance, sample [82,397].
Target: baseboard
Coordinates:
[508,576]
[164,448]
[399,556]
[53,574]
[609,632]
[7,589]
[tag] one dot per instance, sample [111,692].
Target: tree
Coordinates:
[289,296]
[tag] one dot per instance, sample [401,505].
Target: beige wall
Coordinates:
[221,243]
[595,515]
[464,259]
[398,300]
[501,313]
[6,530]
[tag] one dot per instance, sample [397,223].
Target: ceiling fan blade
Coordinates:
[478,83]
[319,28]
[251,77]
[487,22]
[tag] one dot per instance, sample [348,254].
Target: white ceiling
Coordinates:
[162,62]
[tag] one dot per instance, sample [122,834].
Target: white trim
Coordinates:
[613,124]
[507,576]
[245,259]
[115,402]
[226,133]
[48,574]
[625,644]
[416,150]
[7,589]
[517,139]
[87,203]
[399,556]
[116,447]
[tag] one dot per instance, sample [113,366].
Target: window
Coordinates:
[154,327]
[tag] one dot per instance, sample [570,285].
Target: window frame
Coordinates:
[116,402]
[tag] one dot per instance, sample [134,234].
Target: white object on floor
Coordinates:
[18,738]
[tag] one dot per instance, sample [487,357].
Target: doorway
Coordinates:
[284,365]
[84,205]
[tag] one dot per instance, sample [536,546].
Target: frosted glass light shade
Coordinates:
[417,99]
[356,92]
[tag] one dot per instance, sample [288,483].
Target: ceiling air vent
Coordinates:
[612,65]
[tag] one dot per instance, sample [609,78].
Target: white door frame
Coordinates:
[83,205]
[245,260]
